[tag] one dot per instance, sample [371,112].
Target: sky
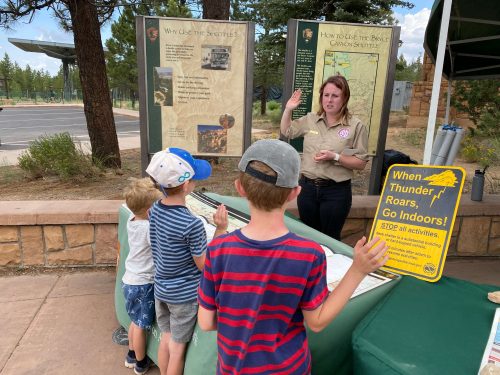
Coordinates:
[45,28]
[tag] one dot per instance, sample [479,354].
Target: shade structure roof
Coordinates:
[473,43]
[61,51]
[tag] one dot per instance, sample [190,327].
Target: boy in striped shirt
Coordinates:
[262,282]
[178,244]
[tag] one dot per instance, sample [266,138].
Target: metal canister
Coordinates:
[477,186]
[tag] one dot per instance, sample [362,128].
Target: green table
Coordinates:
[423,328]
[331,349]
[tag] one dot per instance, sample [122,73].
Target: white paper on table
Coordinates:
[492,351]
[209,228]
[337,266]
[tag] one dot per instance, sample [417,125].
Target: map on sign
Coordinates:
[360,70]
[204,207]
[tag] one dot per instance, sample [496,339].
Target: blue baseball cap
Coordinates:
[174,166]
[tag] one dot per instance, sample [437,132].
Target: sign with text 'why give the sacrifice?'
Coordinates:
[415,217]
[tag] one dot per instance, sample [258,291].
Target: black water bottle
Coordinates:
[477,186]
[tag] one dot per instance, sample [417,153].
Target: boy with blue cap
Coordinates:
[178,243]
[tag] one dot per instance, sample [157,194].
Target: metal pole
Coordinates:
[448,101]
[438,72]
[438,142]
[459,133]
[445,148]
[66,90]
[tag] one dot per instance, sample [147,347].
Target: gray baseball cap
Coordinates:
[279,156]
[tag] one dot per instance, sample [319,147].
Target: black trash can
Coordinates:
[392,157]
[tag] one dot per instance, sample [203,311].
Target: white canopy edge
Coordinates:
[436,85]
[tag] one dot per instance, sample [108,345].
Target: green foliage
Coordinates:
[489,123]
[255,109]
[273,112]
[359,11]
[122,56]
[275,117]
[6,67]
[273,105]
[477,98]
[56,155]
[272,17]
[408,71]
[484,151]
[27,81]
[9,173]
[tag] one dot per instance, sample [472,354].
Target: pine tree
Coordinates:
[6,73]
[271,17]
[122,56]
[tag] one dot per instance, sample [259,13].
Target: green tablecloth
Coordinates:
[331,349]
[424,328]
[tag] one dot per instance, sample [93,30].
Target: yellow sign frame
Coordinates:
[415,216]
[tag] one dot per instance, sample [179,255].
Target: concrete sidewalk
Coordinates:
[60,324]
[63,324]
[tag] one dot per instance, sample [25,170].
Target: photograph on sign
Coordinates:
[212,139]
[360,53]
[195,85]
[216,57]
[415,216]
[163,89]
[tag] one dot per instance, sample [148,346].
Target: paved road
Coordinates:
[20,125]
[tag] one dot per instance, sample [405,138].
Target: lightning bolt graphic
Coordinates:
[437,196]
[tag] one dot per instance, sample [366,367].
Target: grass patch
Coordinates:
[10,173]
[414,137]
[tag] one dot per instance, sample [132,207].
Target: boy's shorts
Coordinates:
[140,304]
[179,320]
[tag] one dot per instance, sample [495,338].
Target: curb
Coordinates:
[120,111]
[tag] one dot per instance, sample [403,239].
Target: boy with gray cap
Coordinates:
[178,244]
[262,282]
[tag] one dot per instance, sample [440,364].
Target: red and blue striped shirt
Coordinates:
[259,289]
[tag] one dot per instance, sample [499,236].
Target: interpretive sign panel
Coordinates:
[415,216]
[195,81]
[363,54]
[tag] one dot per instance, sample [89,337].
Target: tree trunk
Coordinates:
[216,9]
[6,81]
[263,100]
[94,81]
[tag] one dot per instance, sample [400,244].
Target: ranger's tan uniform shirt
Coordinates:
[346,139]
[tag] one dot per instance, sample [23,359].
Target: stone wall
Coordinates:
[84,233]
[421,98]
[66,233]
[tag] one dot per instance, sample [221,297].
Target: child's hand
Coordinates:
[368,257]
[220,218]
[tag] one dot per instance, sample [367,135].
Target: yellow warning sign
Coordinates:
[415,217]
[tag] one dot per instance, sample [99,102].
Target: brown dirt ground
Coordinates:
[110,185]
